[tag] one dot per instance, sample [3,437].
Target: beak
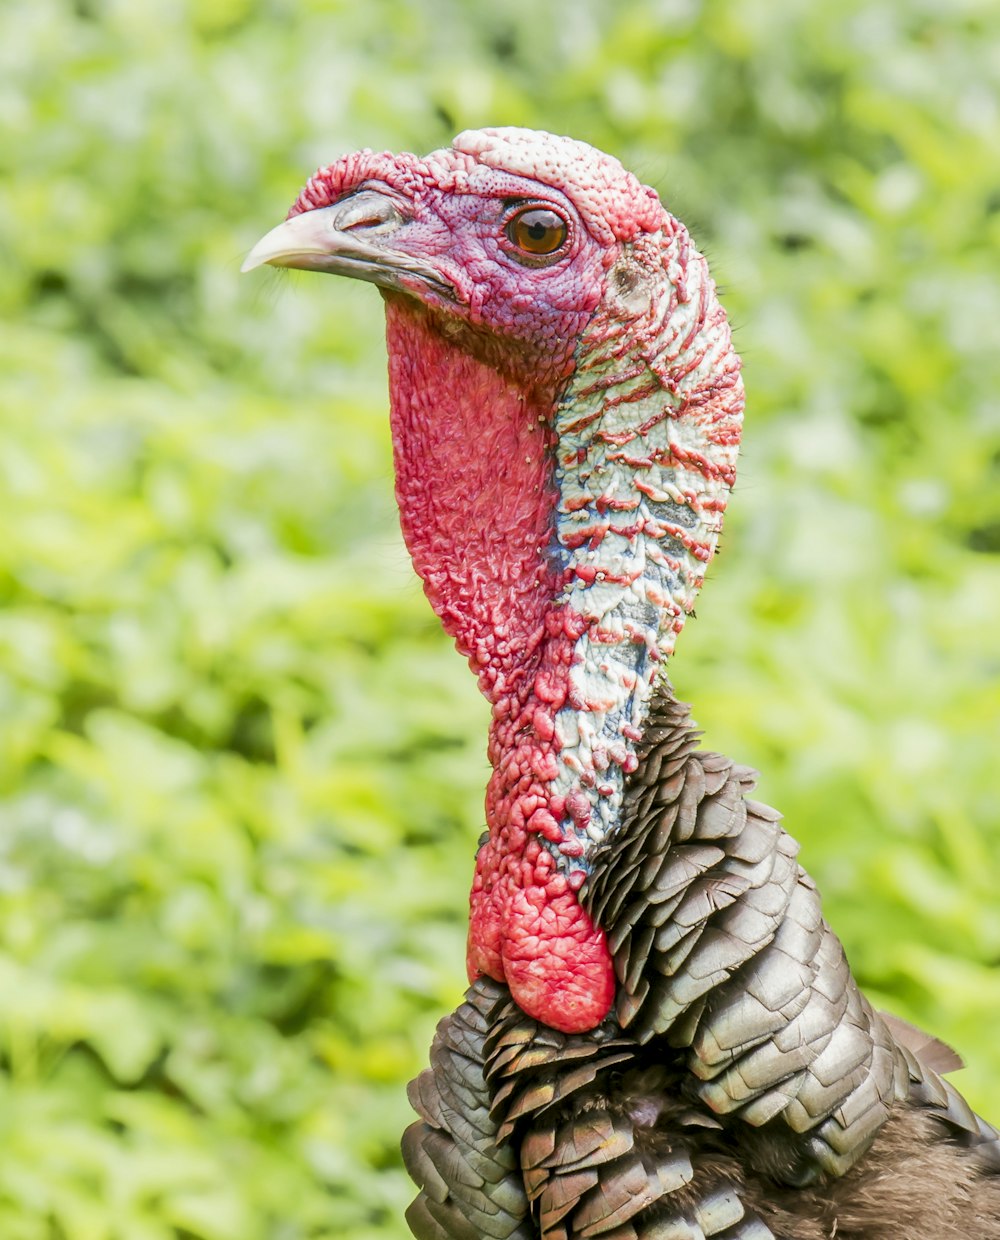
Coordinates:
[354,237]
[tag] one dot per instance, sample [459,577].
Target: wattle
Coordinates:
[474,469]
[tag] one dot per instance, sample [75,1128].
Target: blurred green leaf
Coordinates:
[241,770]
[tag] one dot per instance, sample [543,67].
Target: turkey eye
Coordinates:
[537,231]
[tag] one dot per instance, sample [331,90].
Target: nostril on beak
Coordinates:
[368,210]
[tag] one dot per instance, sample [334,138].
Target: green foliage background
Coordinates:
[241,771]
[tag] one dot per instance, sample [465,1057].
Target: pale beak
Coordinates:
[301,241]
[352,237]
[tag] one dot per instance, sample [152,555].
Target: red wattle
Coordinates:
[473,455]
[526,925]
[529,930]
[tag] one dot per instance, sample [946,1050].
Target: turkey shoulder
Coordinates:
[740,1080]
[611,1144]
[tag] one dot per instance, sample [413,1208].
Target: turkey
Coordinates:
[662,1037]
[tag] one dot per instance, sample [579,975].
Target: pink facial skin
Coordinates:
[456,202]
[476,377]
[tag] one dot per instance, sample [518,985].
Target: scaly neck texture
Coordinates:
[562,530]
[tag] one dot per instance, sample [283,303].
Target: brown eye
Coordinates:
[537,231]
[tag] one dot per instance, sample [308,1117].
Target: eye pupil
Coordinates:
[537,231]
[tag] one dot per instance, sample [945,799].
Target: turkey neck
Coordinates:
[474,453]
[561,527]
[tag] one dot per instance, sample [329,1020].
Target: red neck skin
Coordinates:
[474,481]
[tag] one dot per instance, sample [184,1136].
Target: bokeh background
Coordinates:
[241,771]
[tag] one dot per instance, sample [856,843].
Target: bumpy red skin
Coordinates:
[459,462]
[473,386]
